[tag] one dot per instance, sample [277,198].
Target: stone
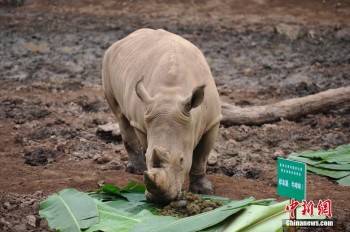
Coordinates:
[343,34]
[109,127]
[31,220]
[292,32]
[7,205]
[278,154]
[213,158]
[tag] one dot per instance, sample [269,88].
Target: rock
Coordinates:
[277,154]
[99,159]
[38,194]
[292,32]
[101,182]
[312,34]
[7,205]
[40,156]
[109,132]
[213,158]
[114,127]
[343,34]
[109,127]
[31,220]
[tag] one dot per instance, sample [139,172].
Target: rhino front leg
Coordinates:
[136,163]
[198,182]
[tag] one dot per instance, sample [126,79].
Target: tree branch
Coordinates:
[287,109]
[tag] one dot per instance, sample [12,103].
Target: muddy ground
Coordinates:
[260,51]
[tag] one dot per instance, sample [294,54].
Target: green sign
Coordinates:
[291,179]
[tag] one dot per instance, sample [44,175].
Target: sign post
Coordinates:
[291,181]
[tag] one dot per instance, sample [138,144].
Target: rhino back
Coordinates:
[169,64]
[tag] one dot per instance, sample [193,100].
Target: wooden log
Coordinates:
[287,109]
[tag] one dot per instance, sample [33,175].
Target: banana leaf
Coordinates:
[305,160]
[343,167]
[69,211]
[124,199]
[345,181]
[339,158]
[224,200]
[321,154]
[131,192]
[327,172]
[334,163]
[112,219]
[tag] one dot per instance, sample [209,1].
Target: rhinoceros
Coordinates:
[160,88]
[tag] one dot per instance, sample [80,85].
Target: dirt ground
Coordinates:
[260,51]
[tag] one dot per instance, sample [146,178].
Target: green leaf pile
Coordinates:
[334,163]
[111,209]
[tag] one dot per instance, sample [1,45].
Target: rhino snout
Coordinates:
[158,188]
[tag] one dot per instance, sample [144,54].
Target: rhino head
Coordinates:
[170,141]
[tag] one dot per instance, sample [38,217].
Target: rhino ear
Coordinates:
[195,99]
[142,92]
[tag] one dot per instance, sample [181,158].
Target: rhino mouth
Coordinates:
[157,190]
[163,199]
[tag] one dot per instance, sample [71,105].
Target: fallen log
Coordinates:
[287,109]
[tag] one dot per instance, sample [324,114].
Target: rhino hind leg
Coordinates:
[198,182]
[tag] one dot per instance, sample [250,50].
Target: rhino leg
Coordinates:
[136,163]
[198,182]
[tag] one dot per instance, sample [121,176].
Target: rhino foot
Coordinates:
[136,167]
[201,185]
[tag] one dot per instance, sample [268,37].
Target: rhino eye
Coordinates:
[181,160]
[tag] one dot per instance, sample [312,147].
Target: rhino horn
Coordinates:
[142,92]
[159,157]
[151,184]
[149,180]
